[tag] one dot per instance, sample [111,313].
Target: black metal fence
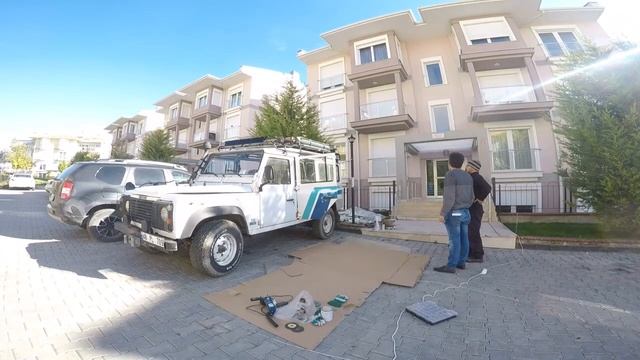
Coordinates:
[546,197]
[380,198]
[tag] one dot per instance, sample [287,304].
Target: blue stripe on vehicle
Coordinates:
[319,201]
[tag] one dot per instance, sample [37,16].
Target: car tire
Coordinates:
[324,227]
[101,226]
[223,236]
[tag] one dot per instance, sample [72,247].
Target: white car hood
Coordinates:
[161,190]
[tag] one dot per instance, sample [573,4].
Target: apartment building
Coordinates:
[474,77]
[127,133]
[49,150]
[212,109]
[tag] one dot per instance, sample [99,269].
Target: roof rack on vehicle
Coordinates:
[291,142]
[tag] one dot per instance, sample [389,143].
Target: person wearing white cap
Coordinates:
[481,189]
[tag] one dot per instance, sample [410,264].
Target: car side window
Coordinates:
[110,174]
[179,176]
[281,171]
[143,175]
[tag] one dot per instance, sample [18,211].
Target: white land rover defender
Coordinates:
[248,187]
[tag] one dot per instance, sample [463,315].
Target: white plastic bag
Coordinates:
[301,308]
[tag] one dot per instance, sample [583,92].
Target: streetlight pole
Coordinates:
[353,205]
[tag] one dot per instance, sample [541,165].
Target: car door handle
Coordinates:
[292,200]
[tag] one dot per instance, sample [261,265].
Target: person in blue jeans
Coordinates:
[457,198]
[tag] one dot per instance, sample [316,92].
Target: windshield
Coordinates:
[237,163]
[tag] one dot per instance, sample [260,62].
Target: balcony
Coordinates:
[515,102]
[331,82]
[128,137]
[515,160]
[382,116]
[378,68]
[213,110]
[200,139]
[182,122]
[382,167]
[336,122]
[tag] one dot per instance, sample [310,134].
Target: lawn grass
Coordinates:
[580,231]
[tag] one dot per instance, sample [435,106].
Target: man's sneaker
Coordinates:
[474,260]
[445,269]
[461,267]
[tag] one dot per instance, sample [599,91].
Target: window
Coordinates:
[512,150]
[235,99]
[441,116]
[201,101]
[281,171]
[487,31]
[331,75]
[185,110]
[315,170]
[433,71]
[173,112]
[241,164]
[333,114]
[148,176]
[559,43]
[216,99]
[232,127]
[111,175]
[383,157]
[180,176]
[372,50]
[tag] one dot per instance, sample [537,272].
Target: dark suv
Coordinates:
[88,193]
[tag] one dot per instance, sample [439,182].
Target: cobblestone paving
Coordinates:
[66,297]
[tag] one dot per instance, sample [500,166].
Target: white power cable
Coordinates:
[452,287]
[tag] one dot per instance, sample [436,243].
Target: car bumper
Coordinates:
[136,238]
[59,214]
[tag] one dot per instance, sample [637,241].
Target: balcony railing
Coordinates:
[199,136]
[521,159]
[331,82]
[379,109]
[382,167]
[333,122]
[507,94]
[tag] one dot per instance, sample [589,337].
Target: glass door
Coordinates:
[436,170]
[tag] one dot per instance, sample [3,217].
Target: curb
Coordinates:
[579,243]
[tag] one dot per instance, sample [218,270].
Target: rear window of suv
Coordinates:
[111,175]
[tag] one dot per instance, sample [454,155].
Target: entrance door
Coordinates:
[278,203]
[436,170]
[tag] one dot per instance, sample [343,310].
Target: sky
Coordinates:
[75,66]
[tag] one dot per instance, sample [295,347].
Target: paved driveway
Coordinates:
[64,296]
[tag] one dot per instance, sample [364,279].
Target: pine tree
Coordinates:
[600,132]
[157,147]
[19,157]
[288,114]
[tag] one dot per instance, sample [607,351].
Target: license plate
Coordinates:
[152,239]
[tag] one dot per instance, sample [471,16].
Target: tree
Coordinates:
[157,146]
[118,153]
[599,103]
[63,165]
[288,114]
[84,156]
[20,158]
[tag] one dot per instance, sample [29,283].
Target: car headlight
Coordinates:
[164,214]
[126,205]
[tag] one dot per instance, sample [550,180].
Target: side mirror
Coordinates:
[268,176]
[129,186]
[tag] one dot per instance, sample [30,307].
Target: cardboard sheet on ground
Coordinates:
[354,268]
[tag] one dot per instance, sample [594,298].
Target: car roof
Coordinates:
[138,163]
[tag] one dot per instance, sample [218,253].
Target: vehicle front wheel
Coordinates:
[325,226]
[216,247]
[101,226]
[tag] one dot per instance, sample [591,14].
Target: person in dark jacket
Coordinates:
[457,198]
[481,189]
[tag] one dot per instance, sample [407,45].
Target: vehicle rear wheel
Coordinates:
[101,226]
[325,226]
[216,247]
